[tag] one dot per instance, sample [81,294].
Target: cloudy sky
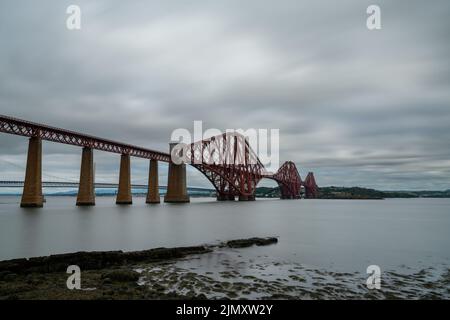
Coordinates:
[357,107]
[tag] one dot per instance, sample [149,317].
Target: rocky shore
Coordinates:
[235,269]
[105,274]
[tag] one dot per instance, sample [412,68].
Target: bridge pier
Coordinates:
[243,198]
[32,189]
[247,198]
[86,191]
[221,197]
[124,192]
[153,190]
[176,182]
[225,197]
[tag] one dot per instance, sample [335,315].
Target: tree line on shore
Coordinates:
[333,192]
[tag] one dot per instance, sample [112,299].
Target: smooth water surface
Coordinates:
[339,234]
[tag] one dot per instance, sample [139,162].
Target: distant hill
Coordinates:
[350,193]
[331,192]
[357,193]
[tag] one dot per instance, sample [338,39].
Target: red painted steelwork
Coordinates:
[234,169]
[311,188]
[31,129]
[229,163]
[227,160]
[288,180]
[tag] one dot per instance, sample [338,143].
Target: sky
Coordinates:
[358,107]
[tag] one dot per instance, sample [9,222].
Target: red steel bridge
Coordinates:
[226,160]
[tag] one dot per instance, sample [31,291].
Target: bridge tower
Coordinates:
[311,188]
[176,181]
[32,189]
[124,191]
[153,186]
[86,191]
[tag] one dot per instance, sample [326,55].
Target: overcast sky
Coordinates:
[357,107]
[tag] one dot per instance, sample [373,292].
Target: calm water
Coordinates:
[340,234]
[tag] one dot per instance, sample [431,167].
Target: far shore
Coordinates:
[330,192]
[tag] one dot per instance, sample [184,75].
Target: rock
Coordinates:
[107,259]
[121,275]
[190,294]
[242,243]
[159,288]
[9,277]
[3,274]
[201,296]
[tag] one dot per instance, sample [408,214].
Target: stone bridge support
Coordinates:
[86,191]
[153,186]
[32,189]
[176,182]
[124,192]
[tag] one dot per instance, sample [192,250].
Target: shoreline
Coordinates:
[105,274]
[92,260]
[227,270]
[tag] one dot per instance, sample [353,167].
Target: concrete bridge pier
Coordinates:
[176,182]
[124,192]
[153,190]
[32,189]
[86,192]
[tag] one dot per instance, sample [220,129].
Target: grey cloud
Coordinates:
[355,106]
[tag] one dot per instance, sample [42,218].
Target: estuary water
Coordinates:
[323,252]
[344,235]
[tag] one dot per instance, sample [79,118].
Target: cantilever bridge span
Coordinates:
[237,176]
